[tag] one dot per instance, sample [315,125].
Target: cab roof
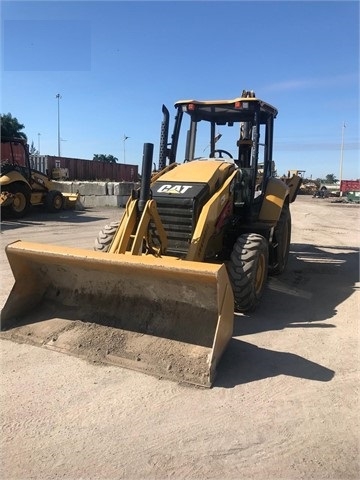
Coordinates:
[229,109]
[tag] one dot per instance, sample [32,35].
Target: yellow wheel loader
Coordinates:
[22,186]
[195,243]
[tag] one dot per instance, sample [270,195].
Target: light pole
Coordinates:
[58,96]
[342,151]
[125,138]
[39,142]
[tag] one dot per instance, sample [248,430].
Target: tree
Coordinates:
[111,159]
[104,158]
[32,149]
[330,178]
[11,128]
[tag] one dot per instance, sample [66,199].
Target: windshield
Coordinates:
[207,135]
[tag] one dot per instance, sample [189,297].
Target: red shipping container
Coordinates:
[350,186]
[13,152]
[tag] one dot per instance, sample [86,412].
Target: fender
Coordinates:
[12,177]
[275,195]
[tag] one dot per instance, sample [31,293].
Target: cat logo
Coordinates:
[178,189]
[39,180]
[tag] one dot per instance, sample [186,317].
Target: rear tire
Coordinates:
[105,237]
[21,202]
[248,269]
[54,201]
[281,238]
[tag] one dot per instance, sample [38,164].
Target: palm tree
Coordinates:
[330,178]
[111,159]
[104,158]
[11,128]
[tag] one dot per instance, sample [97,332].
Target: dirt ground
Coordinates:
[285,403]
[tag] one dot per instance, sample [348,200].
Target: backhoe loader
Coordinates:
[195,243]
[22,186]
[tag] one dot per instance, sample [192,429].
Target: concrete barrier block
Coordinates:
[123,188]
[99,194]
[122,200]
[110,188]
[101,201]
[91,188]
[64,187]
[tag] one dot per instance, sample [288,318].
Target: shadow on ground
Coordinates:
[316,281]
[244,363]
[307,295]
[37,216]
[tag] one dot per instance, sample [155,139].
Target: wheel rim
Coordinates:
[19,203]
[57,202]
[260,273]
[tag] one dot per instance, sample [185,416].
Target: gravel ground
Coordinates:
[285,404]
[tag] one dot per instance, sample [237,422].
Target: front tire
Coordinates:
[21,201]
[105,237]
[54,201]
[248,270]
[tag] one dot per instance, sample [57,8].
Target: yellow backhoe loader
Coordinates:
[195,243]
[22,186]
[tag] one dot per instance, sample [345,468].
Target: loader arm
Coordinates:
[294,184]
[144,236]
[120,242]
[134,232]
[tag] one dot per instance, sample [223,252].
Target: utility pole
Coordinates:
[58,96]
[124,140]
[342,151]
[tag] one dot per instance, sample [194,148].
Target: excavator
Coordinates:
[195,243]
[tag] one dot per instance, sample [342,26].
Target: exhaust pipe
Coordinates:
[164,138]
[145,175]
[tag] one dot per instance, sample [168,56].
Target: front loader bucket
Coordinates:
[162,316]
[71,200]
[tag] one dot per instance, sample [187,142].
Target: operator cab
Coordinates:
[239,131]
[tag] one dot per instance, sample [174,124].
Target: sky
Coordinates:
[114,64]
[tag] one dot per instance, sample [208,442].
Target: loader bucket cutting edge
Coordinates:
[70,200]
[163,316]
